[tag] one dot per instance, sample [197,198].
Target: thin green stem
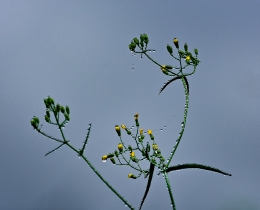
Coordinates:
[183,123]
[169,189]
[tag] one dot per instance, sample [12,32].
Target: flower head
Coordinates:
[136,116]
[104,158]
[150,132]
[141,131]
[132,176]
[117,128]
[120,147]
[132,153]
[123,126]
[176,43]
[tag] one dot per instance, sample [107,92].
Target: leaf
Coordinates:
[173,79]
[169,81]
[151,170]
[195,165]
[187,84]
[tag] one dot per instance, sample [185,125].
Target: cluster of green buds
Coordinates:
[35,122]
[140,43]
[189,58]
[56,109]
[154,156]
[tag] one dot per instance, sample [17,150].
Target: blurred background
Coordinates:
[77,52]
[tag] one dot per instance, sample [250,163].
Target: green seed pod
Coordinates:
[67,110]
[62,109]
[185,47]
[136,41]
[113,160]
[169,48]
[196,51]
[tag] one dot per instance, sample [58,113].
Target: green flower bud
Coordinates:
[169,48]
[47,119]
[57,107]
[110,155]
[196,51]
[47,103]
[67,117]
[128,132]
[120,147]
[116,153]
[132,176]
[176,43]
[67,110]
[148,147]
[117,128]
[136,41]
[185,47]
[113,160]
[48,113]
[132,46]
[62,109]
[130,148]
[134,159]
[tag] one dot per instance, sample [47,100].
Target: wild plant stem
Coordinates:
[169,189]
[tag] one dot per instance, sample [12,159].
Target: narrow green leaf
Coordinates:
[151,170]
[187,84]
[169,81]
[195,165]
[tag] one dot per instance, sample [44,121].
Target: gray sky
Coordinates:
[77,52]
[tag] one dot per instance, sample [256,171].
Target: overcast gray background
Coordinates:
[77,52]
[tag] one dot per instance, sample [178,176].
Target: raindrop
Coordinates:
[165,126]
[102,160]
[161,129]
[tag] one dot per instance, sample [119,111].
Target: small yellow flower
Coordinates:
[155,147]
[132,154]
[176,43]
[141,131]
[117,128]
[150,132]
[136,116]
[164,69]
[123,126]
[104,158]
[188,58]
[132,176]
[120,147]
